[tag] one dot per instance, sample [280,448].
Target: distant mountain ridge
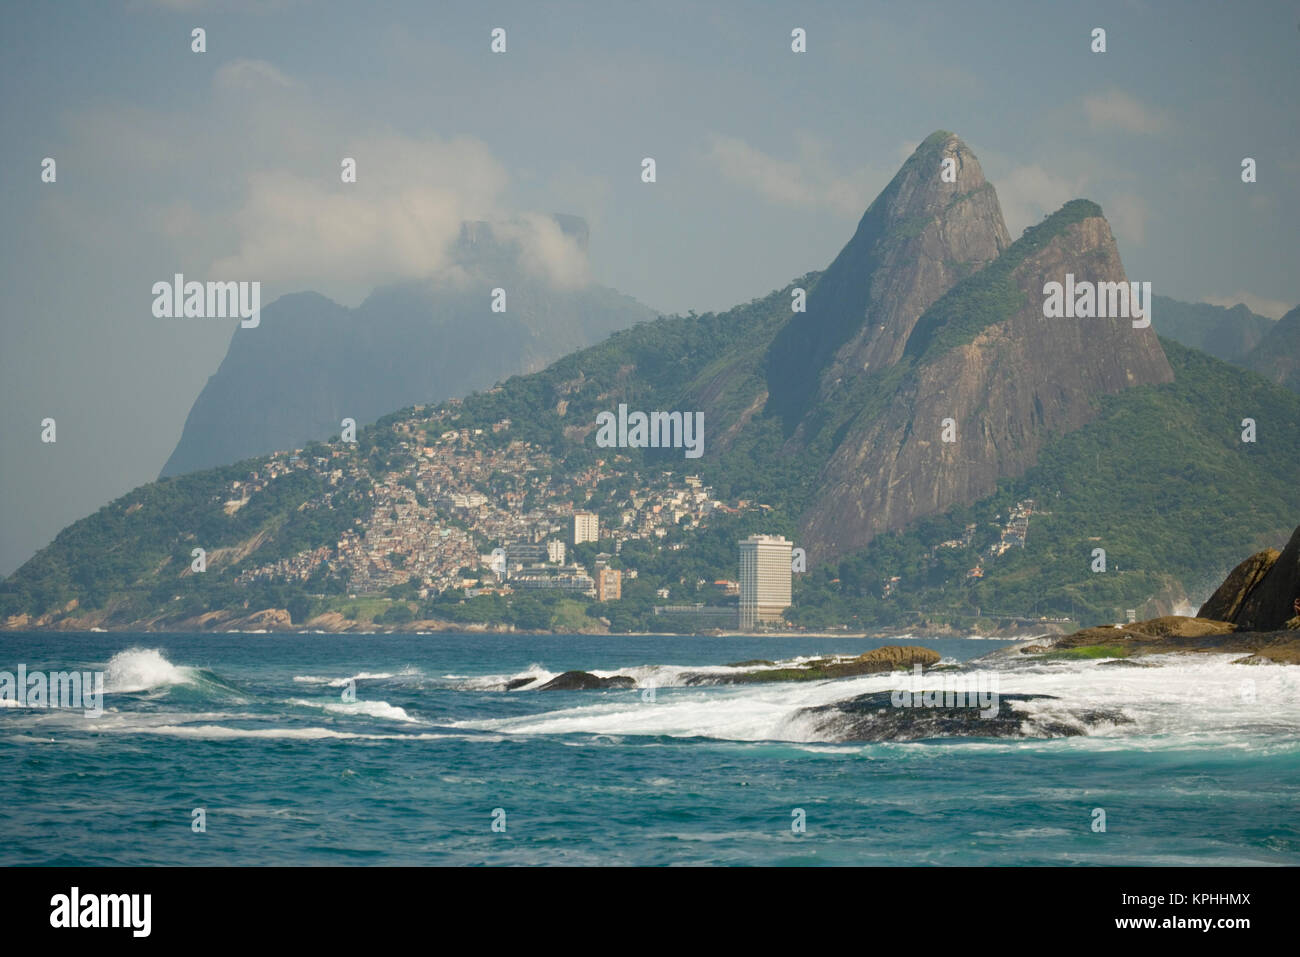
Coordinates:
[1237,335]
[1225,333]
[311,363]
[1277,355]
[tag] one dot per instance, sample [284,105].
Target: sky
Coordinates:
[225,164]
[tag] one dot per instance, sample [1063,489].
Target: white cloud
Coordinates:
[246,75]
[281,213]
[810,182]
[1127,214]
[1117,110]
[1273,308]
[1031,191]
[547,251]
[396,221]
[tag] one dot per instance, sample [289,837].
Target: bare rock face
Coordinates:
[585,681]
[985,358]
[919,237]
[1273,602]
[891,657]
[878,716]
[1227,601]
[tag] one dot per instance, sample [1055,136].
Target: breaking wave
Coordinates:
[143,669]
[1183,698]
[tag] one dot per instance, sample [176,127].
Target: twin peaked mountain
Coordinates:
[929,314]
[981,354]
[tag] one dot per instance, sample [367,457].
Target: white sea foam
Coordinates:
[140,669]
[408,672]
[1187,699]
[221,732]
[373,709]
[535,673]
[658,676]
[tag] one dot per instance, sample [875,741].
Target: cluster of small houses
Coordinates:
[431,522]
[1012,535]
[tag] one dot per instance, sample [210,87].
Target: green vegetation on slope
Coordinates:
[1161,480]
[991,295]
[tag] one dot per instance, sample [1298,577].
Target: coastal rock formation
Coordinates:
[1228,598]
[1262,593]
[1272,604]
[887,658]
[877,717]
[1167,635]
[896,657]
[586,681]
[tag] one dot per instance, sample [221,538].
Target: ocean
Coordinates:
[1190,760]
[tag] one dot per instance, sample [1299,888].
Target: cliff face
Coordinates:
[986,358]
[919,237]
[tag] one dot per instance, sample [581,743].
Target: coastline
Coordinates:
[469,630]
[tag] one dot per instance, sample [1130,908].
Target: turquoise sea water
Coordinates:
[1204,768]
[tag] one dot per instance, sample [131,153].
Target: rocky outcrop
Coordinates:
[1227,601]
[919,237]
[586,681]
[879,717]
[1262,593]
[1275,601]
[895,657]
[1171,634]
[887,658]
[1009,379]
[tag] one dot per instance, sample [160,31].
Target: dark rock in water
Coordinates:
[1226,602]
[1125,663]
[755,663]
[875,717]
[514,683]
[886,658]
[585,681]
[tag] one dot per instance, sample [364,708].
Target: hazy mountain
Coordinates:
[1277,356]
[311,362]
[1222,332]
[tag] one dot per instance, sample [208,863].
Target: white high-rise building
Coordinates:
[586,527]
[555,551]
[765,579]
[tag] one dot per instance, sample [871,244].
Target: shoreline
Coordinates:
[490,630]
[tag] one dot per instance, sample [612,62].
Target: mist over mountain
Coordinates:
[312,362]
